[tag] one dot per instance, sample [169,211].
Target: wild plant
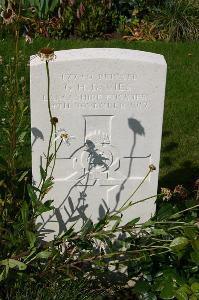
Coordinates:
[90,254]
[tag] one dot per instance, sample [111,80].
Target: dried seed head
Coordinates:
[54,120]
[152,167]
[8,16]
[181,191]
[167,194]
[46,54]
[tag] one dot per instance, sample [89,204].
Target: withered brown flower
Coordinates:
[167,194]
[152,167]
[54,120]
[181,191]
[46,54]
[8,16]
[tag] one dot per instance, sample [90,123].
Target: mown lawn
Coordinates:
[180,141]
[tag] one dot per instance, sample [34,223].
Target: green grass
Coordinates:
[180,142]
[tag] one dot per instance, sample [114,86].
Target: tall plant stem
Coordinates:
[48,91]
[53,127]
[15,95]
[55,156]
[137,188]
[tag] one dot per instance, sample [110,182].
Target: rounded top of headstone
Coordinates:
[103,53]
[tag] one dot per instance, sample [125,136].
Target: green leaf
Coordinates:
[185,289]
[195,245]
[191,232]
[148,296]
[32,194]
[117,223]
[183,292]
[44,207]
[195,287]
[113,218]
[13,263]
[141,286]
[100,263]
[195,257]
[3,163]
[158,232]
[22,136]
[168,292]
[43,173]
[53,5]
[25,212]
[47,184]
[100,225]
[181,295]
[88,226]
[44,254]
[4,273]
[31,236]
[23,175]
[133,222]
[179,243]
[166,211]
[148,224]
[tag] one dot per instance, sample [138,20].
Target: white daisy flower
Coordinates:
[64,136]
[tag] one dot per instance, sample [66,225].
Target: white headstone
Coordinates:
[112,101]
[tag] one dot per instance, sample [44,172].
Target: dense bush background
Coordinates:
[136,19]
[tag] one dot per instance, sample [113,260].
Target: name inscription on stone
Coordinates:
[98,91]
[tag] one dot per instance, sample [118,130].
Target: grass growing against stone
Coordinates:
[179,153]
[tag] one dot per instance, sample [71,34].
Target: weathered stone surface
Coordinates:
[112,101]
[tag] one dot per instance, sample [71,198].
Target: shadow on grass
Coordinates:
[186,175]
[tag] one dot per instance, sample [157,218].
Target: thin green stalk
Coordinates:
[55,156]
[135,190]
[136,202]
[170,222]
[14,99]
[160,240]
[14,104]
[110,255]
[48,151]
[184,210]
[141,257]
[48,76]
[51,130]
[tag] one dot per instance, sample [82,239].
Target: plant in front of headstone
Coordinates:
[14,125]
[173,274]
[72,253]
[18,214]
